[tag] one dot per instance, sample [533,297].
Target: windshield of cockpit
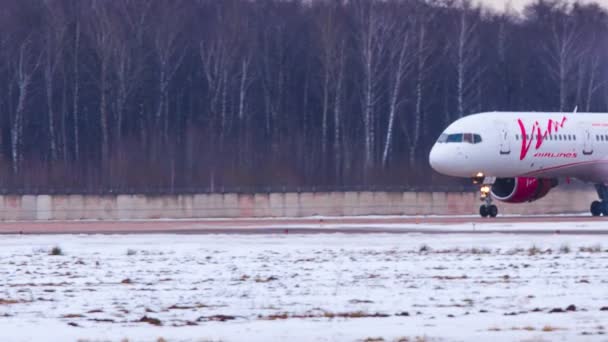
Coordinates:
[470,138]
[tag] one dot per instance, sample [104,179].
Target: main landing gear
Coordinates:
[487,208]
[600,207]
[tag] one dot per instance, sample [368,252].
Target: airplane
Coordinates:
[518,157]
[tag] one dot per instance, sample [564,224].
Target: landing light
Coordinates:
[478,178]
[485,191]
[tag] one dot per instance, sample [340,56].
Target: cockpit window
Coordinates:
[455,138]
[470,138]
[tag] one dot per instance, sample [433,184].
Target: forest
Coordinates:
[170,96]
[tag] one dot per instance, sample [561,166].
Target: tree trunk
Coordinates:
[75,110]
[48,76]
[338,118]
[103,113]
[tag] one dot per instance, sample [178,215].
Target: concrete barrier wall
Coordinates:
[78,207]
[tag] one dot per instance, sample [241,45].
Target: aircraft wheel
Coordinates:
[483,211]
[493,210]
[597,208]
[604,208]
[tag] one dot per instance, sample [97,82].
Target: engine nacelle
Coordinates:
[522,189]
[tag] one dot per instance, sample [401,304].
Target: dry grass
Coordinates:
[150,320]
[526,328]
[483,250]
[533,250]
[325,314]
[591,249]
[265,279]
[72,316]
[462,277]
[216,318]
[424,249]
[549,328]
[55,251]
[11,301]
[414,339]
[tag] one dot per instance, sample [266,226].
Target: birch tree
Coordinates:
[424,51]
[332,43]
[130,61]
[101,36]
[76,79]
[170,50]
[54,47]
[372,34]
[26,62]
[466,50]
[561,55]
[401,62]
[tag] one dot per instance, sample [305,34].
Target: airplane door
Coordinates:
[587,142]
[505,144]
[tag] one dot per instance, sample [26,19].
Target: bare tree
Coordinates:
[101,35]
[76,80]
[561,55]
[129,60]
[423,65]
[332,44]
[372,36]
[216,57]
[401,61]
[54,41]
[170,50]
[26,62]
[466,46]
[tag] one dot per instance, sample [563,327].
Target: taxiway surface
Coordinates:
[574,224]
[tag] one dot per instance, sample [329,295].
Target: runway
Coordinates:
[575,224]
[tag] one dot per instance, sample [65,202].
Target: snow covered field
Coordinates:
[326,287]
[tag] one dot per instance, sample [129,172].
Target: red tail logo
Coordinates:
[527,137]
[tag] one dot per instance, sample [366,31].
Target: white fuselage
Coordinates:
[525,144]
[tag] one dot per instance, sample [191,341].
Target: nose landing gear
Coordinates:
[487,209]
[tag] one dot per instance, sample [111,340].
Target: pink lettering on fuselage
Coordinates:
[526,139]
[555,155]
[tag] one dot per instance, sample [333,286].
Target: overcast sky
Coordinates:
[518,5]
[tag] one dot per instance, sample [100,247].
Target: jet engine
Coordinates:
[522,189]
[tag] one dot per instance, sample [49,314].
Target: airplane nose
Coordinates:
[437,158]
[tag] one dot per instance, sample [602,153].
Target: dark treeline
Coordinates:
[134,95]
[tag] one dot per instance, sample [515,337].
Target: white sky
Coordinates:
[518,5]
